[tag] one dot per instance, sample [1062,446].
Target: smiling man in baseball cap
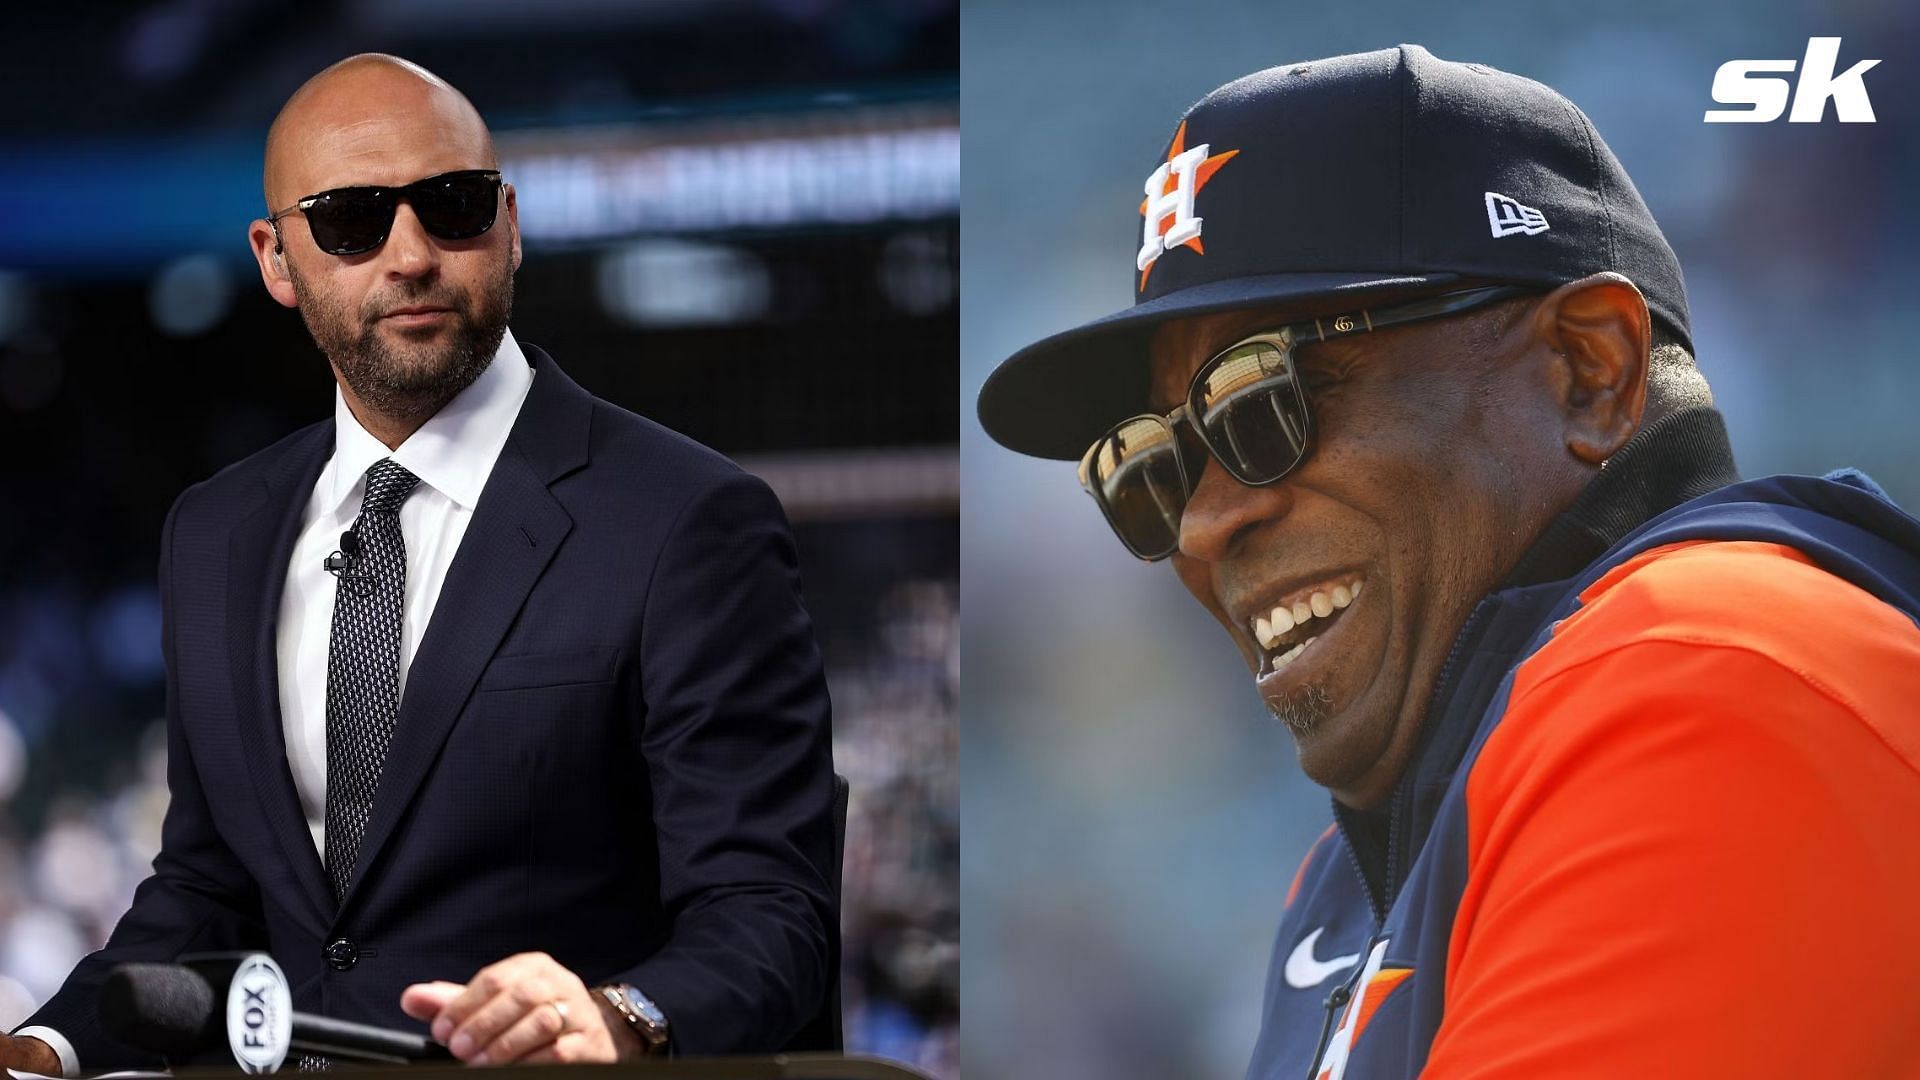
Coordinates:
[1407,397]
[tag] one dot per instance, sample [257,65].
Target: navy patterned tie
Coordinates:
[363,668]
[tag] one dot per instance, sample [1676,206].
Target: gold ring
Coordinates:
[560,1010]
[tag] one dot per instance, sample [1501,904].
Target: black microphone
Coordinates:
[346,556]
[175,1010]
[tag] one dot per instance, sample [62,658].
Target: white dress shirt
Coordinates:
[453,453]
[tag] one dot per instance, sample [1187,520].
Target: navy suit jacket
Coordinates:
[614,746]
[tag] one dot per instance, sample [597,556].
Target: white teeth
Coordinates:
[1286,658]
[1269,629]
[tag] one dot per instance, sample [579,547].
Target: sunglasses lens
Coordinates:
[456,207]
[349,222]
[1253,414]
[1136,471]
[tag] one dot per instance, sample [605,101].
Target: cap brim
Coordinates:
[1053,398]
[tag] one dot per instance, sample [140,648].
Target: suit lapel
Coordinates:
[258,549]
[517,527]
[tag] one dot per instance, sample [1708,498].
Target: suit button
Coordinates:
[341,954]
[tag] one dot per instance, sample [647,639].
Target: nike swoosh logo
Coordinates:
[1304,971]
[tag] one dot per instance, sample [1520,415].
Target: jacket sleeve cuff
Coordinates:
[69,1061]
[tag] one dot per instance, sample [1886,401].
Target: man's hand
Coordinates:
[526,1009]
[28,1055]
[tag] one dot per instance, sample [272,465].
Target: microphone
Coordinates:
[346,556]
[174,1010]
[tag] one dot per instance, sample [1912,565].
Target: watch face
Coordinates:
[647,1009]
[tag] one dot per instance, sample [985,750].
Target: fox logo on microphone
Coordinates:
[259,1015]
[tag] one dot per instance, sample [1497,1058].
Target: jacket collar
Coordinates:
[1679,457]
[516,529]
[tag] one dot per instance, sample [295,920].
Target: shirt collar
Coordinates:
[454,451]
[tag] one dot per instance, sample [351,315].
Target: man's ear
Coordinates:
[273,262]
[513,222]
[1601,336]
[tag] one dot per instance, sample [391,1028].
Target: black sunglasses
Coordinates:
[351,220]
[1247,407]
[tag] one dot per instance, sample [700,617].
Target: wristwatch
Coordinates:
[641,1014]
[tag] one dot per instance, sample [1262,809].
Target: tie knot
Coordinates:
[388,485]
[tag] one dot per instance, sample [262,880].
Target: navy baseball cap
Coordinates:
[1363,177]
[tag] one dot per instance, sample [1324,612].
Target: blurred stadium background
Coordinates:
[1132,814]
[740,218]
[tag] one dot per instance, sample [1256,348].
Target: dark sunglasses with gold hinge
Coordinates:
[1247,407]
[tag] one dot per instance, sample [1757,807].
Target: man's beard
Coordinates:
[411,381]
[1303,710]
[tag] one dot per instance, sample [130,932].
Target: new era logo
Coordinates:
[1506,216]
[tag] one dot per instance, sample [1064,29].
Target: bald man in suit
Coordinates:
[541,760]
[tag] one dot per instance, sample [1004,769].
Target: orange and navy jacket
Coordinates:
[1664,821]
